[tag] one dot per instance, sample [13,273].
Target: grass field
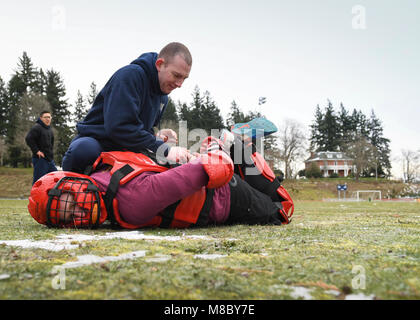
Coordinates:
[330,251]
[15,182]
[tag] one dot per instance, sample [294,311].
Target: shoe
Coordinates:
[282,214]
[255,128]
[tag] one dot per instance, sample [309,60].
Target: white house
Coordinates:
[331,162]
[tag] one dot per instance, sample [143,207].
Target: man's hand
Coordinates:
[178,155]
[168,136]
[40,154]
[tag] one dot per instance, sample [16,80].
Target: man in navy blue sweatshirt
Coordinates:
[125,111]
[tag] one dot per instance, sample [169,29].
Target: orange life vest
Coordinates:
[125,165]
[268,183]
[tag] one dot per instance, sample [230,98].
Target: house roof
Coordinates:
[328,155]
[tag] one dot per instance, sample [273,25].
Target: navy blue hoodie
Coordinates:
[125,111]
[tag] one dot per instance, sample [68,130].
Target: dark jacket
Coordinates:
[41,138]
[125,111]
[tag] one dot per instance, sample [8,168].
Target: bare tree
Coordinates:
[363,154]
[291,144]
[411,165]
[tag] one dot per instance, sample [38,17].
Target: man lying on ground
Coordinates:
[132,191]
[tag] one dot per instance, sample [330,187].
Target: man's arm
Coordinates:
[32,139]
[121,113]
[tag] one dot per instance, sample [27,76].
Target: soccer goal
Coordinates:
[368,195]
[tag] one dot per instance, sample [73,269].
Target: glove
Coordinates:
[218,166]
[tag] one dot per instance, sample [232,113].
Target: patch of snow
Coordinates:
[52,245]
[159,258]
[209,256]
[333,292]
[359,296]
[301,292]
[91,259]
[70,241]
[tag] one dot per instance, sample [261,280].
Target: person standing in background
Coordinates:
[40,140]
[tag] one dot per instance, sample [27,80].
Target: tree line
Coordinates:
[31,90]
[357,135]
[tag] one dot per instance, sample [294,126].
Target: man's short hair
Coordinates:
[175,48]
[44,112]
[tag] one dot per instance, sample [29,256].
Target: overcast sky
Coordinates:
[297,54]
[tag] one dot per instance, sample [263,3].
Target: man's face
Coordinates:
[46,118]
[172,75]
[69,210]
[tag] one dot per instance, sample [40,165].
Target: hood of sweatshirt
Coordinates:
[42,123]
[147,62]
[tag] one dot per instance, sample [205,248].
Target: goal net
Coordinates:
[368,195]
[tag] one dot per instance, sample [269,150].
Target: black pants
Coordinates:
[250,206]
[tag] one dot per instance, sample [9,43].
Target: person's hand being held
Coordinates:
[178,155]
[168,136]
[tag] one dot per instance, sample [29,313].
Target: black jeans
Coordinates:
[250,206]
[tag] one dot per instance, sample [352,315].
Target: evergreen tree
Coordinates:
[211,118]
[3,108]
[27,73]
[55,93]
[3,120]
[325,131]
[330,129]
[381,161]
[80,109]
[22,82]
[170,118]
[194,110]
[170,113]
[185,113]
[344,125]
[15,90]
[40,84]
[202,112]
[235,115]
[93,92]
[358,124]
[316,136]
[252,115]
